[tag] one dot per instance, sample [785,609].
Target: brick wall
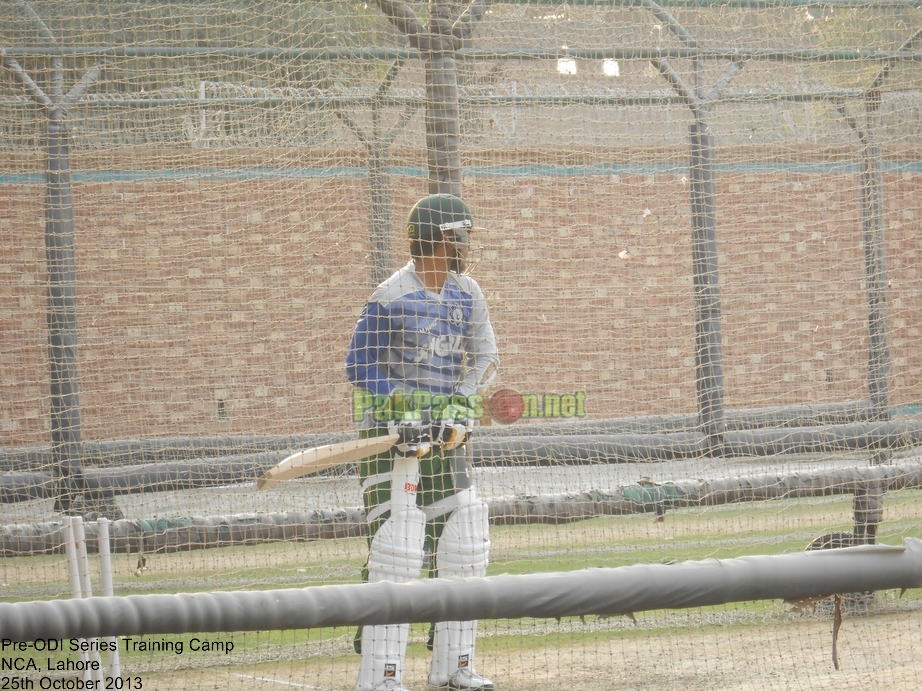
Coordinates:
[212,302]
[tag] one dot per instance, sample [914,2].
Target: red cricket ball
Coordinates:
[506,406]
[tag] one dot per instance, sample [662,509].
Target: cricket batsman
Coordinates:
[422,351]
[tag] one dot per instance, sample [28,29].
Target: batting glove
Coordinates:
[452,425]
[414,440]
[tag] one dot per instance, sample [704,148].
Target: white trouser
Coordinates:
[396,555]
[463,551]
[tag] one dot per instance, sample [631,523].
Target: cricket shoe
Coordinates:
[462,680]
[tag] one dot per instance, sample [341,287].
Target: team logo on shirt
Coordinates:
[456,316]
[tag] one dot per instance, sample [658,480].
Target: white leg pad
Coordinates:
[463,551]
[464,547]
[396,556]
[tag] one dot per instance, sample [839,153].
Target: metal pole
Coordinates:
[872,225]
[62,317]
[709,379]
[443,117]
[605,591]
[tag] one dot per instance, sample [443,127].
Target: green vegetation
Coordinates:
[873,28]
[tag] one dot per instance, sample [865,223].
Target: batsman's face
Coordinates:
[459,245]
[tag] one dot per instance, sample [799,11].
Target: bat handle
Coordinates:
[413,434]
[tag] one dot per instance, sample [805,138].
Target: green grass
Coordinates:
[721,532]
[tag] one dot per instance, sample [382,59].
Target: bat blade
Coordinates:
[325,457]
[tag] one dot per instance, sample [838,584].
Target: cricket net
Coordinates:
[697,228]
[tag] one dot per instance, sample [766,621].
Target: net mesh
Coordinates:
[227,233]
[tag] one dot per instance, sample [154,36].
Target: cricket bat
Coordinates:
[326,457]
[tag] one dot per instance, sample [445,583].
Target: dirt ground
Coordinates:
[755,646]
[741,649]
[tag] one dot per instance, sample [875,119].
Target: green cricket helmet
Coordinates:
[433,216]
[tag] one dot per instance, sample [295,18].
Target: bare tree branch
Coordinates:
[873,92]
[438,42]
[464,24]
[402,120]
[851,120]
[389,78]
[57,79]
[79,89]
[352,125]
[440,22]
[401,15]
[725,79]
[33,89]
[671,23]
[687,95]
[42,27]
